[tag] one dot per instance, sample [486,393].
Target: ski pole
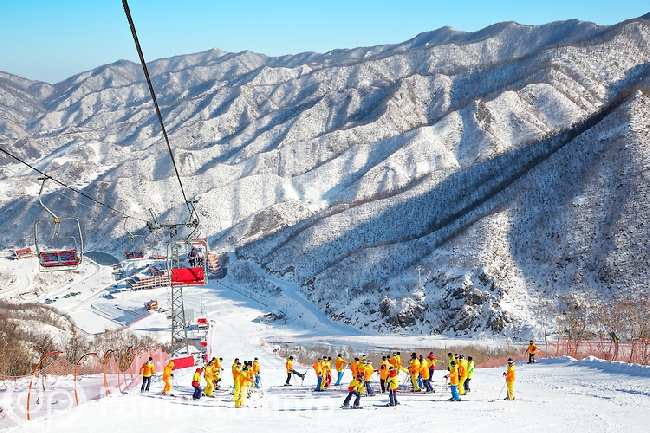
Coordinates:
[499,397]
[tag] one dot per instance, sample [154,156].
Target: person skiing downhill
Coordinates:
[510,379]
[147,370]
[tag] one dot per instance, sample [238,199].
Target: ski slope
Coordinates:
[560,393]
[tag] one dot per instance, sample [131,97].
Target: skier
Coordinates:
[462,374]
[340,365]
[354,367]
[208,374]
[368,370]
[510,379]
[236,377]
[196,383]
[242,387]
[290,371]
[450,358]
[256,372]
[356,388]
[166,377]
[384,371]
[318,369]
[432,364]
[453,381]
[191,257]
[532,348]
[470,372]
[424,372]
[217,371]
[414,371]
[327,372]
[147,370]
[393,385]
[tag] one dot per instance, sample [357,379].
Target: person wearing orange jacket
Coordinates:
[384,372]
[354,367]
[147,370]
[424,373]
[462,374]
[340,365]
[318,369]
[196,383]
[453,381]
[290,371]
[510,380]
[242,387]
[167,378]
[532,348]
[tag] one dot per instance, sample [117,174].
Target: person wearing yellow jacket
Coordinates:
[208,374]
[340,365]
[368,370]
[431,360]
[355,388]
[510,379]
[318,369]
[236,376]
[414,372]
[256,372]
[290,371]
[453,381]
[196,383]
[147,370]
[462,374]
[392,382]
[217,371]
[470,373]
[242,387]
[167,378]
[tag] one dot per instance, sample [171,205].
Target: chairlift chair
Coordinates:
[195,273]
[133,244]
[58,241]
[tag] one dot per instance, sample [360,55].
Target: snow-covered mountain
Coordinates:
[451,183]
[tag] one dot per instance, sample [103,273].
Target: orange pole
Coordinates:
[31,382]
[106,354]
[76,370]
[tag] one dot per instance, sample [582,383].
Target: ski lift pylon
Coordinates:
[62,249]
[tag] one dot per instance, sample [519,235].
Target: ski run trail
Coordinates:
[554,394]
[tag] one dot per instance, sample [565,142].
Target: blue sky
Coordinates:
[50,40]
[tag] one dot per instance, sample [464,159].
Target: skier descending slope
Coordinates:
[355,389]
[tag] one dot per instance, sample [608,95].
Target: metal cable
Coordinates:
[67,186]
[153,96]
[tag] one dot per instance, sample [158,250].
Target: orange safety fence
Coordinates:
[57,382]
[633,352]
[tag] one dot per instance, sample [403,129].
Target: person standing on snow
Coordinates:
[355,389]
[242,387]
[166,377]
[368,370]
[414,371]
[318,369]
[354,367]
[384,372]
[236,375]
[256,372]
[510,379]
[424,373]
[470,372]
[340,365]
[393,385]
[290,371]
[532,348]
[462,374]
[147,370]
[208,374]
[196,383]
[453,381]
[328,372]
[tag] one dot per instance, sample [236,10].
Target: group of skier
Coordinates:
[420,369]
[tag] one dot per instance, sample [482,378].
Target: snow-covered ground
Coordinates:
[561,393]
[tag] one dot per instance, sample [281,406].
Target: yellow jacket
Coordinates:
[510,373]
[167,372]
[289,365]
[470,369]
[367,372]
[392,382]
[147,369]
[357,385]
[462,368]
[256,367]
[414,367]
[208,373]
[340,364]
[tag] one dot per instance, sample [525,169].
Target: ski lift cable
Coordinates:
[127,11]
[67,186]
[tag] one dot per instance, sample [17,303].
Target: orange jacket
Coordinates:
[318,368]
[354,368]
[340,364]
[453,378]
[384,370]
[167,372]
[532,348]
[510,373]
[289,365]
[147,369]
[462,369]
[256,367]
[424,370]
